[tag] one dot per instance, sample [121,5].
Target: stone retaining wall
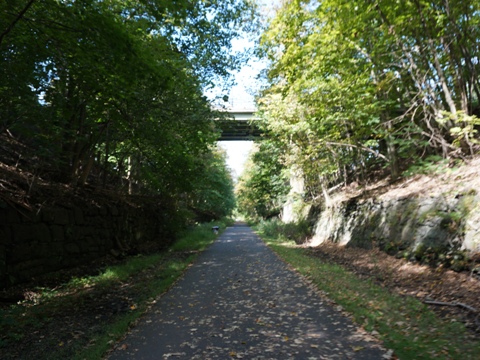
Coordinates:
[36,242]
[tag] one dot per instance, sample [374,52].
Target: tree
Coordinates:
[110,94]
[358,85]
[116,85]
[212,197]
[264,185]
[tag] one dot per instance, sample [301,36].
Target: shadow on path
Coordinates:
[239,300]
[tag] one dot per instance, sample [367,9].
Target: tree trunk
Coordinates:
[107,154]
[87,168]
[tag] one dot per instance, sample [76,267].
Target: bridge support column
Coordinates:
[295,208]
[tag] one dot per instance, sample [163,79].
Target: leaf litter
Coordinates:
[247,308]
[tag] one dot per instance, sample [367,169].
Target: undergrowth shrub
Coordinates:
[298,231]
[201,236]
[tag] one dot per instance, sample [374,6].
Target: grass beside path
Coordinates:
[403,323]
[84,318]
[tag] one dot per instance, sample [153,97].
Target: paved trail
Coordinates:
[240,301]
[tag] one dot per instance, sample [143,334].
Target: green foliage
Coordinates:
[463,130]
[297,231]
[212,197]
[356,86]
[199,237]
[263,186]
[110,93]
[434,164]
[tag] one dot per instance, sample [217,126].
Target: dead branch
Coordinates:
[441,303]
[377,154]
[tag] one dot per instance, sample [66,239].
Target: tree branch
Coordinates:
[17,19]
[441,303]
[364,148]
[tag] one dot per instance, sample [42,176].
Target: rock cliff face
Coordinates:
[402,223]
[434,219]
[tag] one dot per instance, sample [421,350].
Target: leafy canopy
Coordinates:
[111,92]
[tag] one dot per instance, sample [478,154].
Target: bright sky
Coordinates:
[237,153]
[242,96]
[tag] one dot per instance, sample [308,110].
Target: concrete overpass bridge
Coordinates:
[240,127]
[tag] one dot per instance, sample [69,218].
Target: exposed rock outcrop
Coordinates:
[435,219]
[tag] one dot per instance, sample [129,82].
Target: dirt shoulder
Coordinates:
[58,322]
[440,180]
[410,279]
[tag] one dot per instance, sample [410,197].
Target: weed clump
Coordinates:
[298,231]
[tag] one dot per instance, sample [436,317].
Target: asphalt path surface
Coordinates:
[240,301]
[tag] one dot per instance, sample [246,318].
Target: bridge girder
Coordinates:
[240,127]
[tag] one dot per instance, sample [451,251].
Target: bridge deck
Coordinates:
[240,127]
